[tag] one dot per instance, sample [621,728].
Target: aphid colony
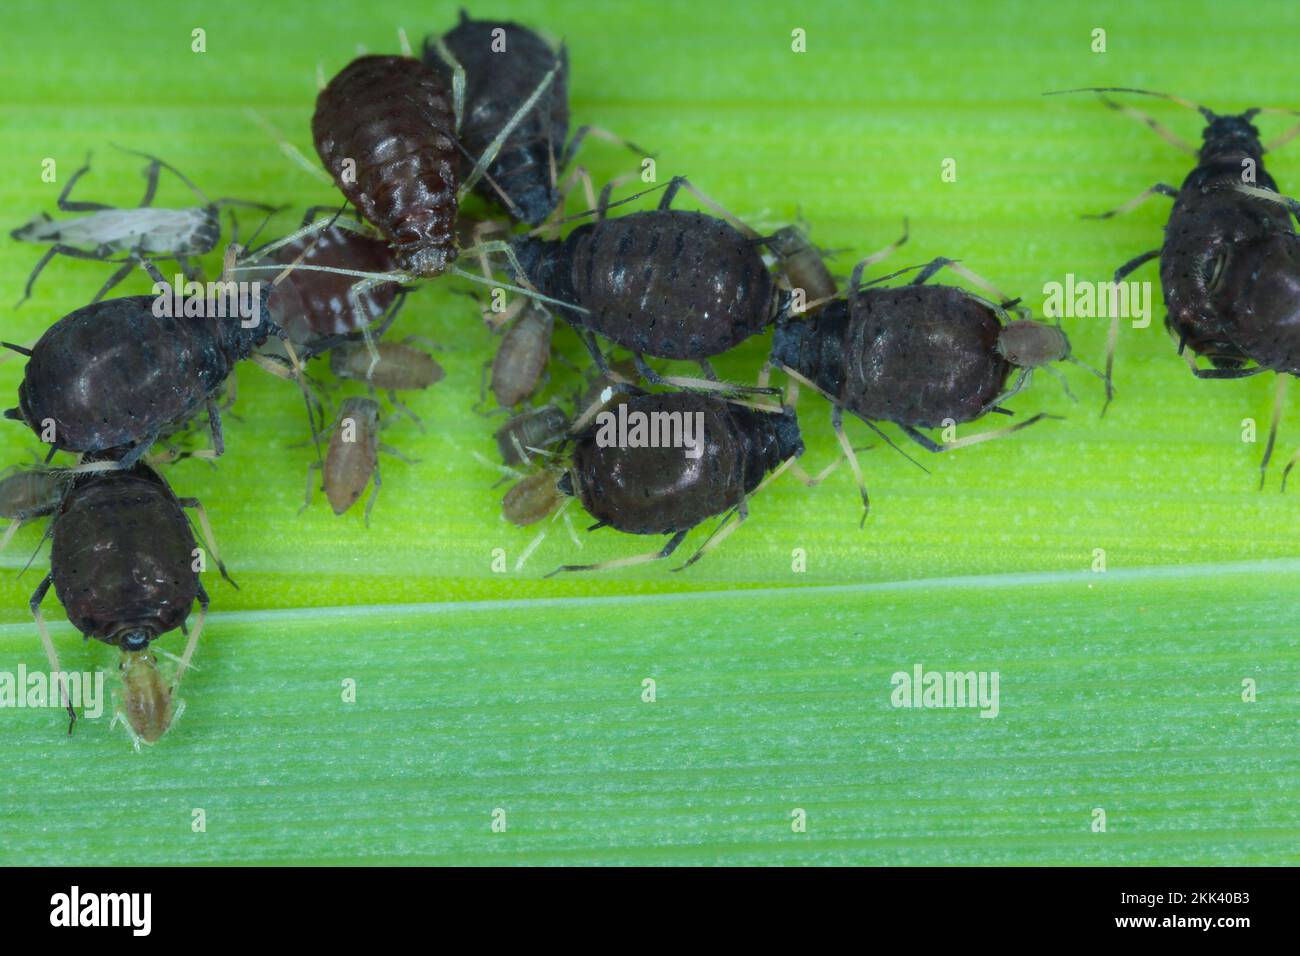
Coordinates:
[484,110]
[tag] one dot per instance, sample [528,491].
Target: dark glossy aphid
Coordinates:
[311,305]
[503,64]
[530,433]
[664,490]
[386,131]
[1212,221]
[920,356]
[122,562]
[666,283]
[352,458]
[133,235]
[111,377]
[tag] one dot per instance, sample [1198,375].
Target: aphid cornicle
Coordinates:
[920,356]
[385,129]
[122,562]
[112,376]
[667,283]
[662,490]
[139,233]
[504,62]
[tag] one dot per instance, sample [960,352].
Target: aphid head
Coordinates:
[424,258]
[534,202]
[1231,135]
[146,699]
[1028,343]
[530,252]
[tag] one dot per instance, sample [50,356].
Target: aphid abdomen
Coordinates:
[667,283]
[122,556]
[384,128]
[1258,296]
[533,498]
[310,305]
[113,374]
[1203,229]
[497,82]
[921,356]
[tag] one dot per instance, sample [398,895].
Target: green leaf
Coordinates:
[1120,690]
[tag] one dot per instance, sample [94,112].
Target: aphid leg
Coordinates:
[214,426]
[374,493]
[1221,373]
[1270,195]
[150,184]
[719,534]
[1112,334]
[120,274]
[929,444]
[390,450]
[287,147]
[1289,465]
[837,424]
[696,384]
[404,409]
[1000,298]
[67,205]
[191,644]
[494,147]
[211,539]
[171,169]
[679,182]
[598,132]
[855,280]
[1282,140]
[1168,135]
[1279,400]
[312,468]
[1021,381]
[1159,189]
[98,255]
[21,519]
[666,551]
[51,654]
[457,80]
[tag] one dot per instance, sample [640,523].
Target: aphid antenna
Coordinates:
[287,147]
[1205,111]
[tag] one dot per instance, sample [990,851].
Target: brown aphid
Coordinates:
[401,367]
[27,493]
[522,356]
[802,264]
[147,700]
[385,129]
[352,458]
[534,497]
